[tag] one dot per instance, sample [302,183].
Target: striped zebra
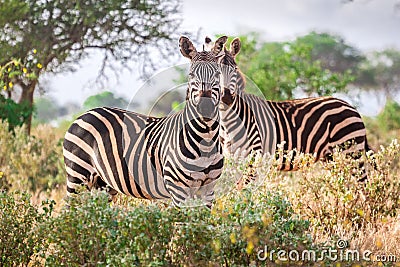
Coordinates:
[178,156]
[311,125]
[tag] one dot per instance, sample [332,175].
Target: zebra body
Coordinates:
[178,156]
[310,125]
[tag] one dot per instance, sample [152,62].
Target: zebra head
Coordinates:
[204,88]
[233,81]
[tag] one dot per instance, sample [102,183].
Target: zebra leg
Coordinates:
[78,176]
[73,183]
[101,185]
[360,171]
[357,155]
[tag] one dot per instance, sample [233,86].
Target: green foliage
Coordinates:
[253,218]
[22,231]
[281,69]
[14,70]
[381,72]
[30,163]
[53,36]
[166,103]
[26,25]
[15,114]
[12,10]
[104,99]
[389,117]
[280,211]
[176,106]
[332,52]
[93,232]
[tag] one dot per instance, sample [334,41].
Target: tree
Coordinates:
[15,114]
[52,36]
[104,99]
[381,72]
[280,69]
[333,52]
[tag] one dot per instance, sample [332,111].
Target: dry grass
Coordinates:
[367,215]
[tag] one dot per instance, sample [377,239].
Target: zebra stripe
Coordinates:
[178,156]
[310,125]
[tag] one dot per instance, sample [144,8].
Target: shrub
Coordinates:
[93,232]
[30,163]
[15,114]
[334,197]
[22,231]
[251,219]
[389,117]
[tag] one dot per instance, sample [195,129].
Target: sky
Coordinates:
[366,24]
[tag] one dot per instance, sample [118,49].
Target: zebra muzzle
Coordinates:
[206,108]
[227,97]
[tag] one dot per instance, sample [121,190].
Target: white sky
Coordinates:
[366,24]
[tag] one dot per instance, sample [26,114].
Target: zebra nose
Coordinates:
[205,93]
[227,97]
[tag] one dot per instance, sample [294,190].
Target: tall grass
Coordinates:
[32,163]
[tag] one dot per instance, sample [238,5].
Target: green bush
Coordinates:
[15,114]
[93,232]
[389,117]
[253,218]
[22,230]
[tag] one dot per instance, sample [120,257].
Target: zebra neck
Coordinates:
[240,128]
[198,139]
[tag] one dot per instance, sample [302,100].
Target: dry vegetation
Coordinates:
[337,205]
[312,208]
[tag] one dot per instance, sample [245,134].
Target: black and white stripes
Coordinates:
[178,156]
[311,125]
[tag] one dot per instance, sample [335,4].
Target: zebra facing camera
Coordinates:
[163,94]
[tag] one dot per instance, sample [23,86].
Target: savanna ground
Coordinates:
[321,208]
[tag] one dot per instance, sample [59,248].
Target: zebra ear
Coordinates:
[219,45]
[235,47]
[187,48]
[208,44]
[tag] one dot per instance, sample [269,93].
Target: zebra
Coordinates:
[310,125]
[178,156]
